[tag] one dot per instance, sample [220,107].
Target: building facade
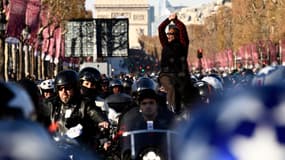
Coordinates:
[197,15]
[137,11]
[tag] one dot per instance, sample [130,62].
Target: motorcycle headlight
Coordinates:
[151,155]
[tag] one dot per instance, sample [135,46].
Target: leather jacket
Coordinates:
[78,111]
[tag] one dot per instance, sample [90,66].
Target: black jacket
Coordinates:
[133,120]
[174,53]
[174,58]
[78,111]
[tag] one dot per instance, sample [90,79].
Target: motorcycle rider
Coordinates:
[148,108]
[117,103]
[148,116]
[116,86]
[71,115]
[90,80]
[105,82]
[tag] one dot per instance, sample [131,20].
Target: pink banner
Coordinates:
[16,21]
[273,52]
[49,41]
[226,60]
[204,63]
[45,34]
[221,60]
[230,57]
[242,51]
[254,54]
[51,51]
[283,51]
[62,55]
[33,19]
[57,35]
[44,15]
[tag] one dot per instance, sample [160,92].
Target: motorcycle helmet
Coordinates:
[116,83]
[105,81]
[215,83]
[67,77]
[127,85]
[15,102]
[206,91]
[145,87]
[245,125]
[90,74]
[217,76]
[144,83]
[269,75]
[47,85]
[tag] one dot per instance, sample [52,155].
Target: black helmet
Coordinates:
[67,77]
[127,85]
[90,74]
[105,81]
[144,83]
[145,88]
[116,82]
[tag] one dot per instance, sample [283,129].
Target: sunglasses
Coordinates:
[148,102]
[65,88]
[170,33]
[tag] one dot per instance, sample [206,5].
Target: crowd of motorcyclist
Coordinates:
[94,110]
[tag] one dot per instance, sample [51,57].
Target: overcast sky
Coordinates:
[90,3]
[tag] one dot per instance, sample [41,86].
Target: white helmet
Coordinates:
[214,82]
[269,75]
[47,84]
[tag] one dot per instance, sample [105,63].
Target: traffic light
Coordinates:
[200,53]
[141,69]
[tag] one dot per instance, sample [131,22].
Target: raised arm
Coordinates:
[161,32]
[183,36]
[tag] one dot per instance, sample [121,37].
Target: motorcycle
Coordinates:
[70,145]
[147,143]
[71,149]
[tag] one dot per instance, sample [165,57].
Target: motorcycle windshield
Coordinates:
[136,138]
[139,141]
